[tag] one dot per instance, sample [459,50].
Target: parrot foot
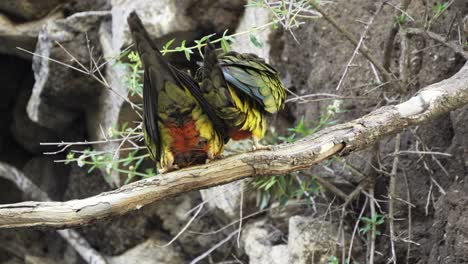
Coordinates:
[168,169]
[258,146]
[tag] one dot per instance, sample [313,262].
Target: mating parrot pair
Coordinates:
[187,124]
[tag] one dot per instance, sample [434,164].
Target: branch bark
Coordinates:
[428,103]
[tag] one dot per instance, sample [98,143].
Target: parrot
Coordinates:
[180,129]
[242,89]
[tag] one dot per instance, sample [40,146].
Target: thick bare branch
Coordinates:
[432,101]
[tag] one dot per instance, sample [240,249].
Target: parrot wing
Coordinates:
[255,78]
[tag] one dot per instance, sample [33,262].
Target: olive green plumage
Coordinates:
[242,89]
[180,127]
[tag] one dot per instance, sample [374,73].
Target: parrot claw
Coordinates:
[258,146]
[168,169]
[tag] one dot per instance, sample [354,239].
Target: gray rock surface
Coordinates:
[260,243]
[22,34]
[29,9]
[225,198]
[311,240]
[150,252]
[49,176]
[30,134]
[60,93]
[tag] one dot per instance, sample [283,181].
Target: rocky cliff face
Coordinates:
[43,101]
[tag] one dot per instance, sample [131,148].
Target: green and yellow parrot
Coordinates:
[180,127]
[242,89]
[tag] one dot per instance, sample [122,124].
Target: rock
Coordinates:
[254,17]
[14,75]
[159,17]
[261,244]
[174,214]
[224,198]
[169,18]
[29,9]
[22,34]
[60,93]
[311,240]
[450,225]
[30,259]
[30,134]
[49,176]
[150,252]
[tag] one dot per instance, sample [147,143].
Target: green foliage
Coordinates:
[257,43]
[333,260]
[128,165]
[439,8]
[125,161]
[283,188]
[376,220]
[401,19]
[134,84]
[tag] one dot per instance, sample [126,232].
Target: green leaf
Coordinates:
[187,54]
[225,42]
[255,41]
[166,46]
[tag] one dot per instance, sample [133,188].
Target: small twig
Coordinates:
[392,195]
[66,145]
[125,139]
[200,207]
[419,152]
[387,75]
[332,188]
[372,179]
[241,204]
[358,46]
[373,232]
[408,197]
[451,45]
[428,199]
[355,230]
[388,49]
[208,252]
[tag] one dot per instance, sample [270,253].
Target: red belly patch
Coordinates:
[240,134]
[184,138]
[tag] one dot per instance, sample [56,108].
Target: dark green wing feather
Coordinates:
[255,78]
[153,78]
[207,108]
[214,89]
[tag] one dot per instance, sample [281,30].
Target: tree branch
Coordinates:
[428,103]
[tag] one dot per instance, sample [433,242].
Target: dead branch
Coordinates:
[428,103]
[453,45]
